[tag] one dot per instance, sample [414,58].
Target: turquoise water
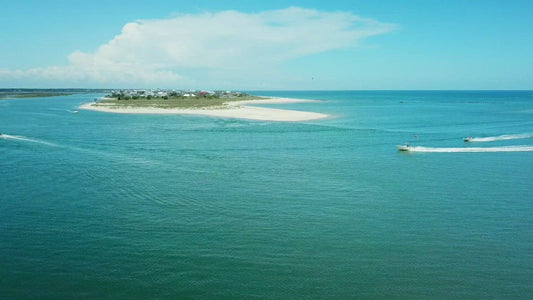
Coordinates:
[97,205]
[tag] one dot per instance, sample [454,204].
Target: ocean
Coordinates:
[111,206]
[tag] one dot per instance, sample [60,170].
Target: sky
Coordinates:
[268,45]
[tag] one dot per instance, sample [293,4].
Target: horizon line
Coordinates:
[273,90]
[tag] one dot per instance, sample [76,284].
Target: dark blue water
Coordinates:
[96,205]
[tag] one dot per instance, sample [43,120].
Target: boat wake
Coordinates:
[24,139]
[501,138]
[472,149]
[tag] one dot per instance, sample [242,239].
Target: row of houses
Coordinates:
[136,94]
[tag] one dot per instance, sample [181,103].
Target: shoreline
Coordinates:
[236,109]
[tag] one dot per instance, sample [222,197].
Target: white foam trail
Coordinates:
[502,137]
[25,139]
[473,149]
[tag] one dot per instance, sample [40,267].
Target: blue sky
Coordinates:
[268,44]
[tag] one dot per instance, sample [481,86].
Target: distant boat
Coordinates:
[405,147]
[74,111]
[468,139]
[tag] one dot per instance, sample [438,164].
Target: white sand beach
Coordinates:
[238,109]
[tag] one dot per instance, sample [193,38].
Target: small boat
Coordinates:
[74,111]
[468,139]
[405,147]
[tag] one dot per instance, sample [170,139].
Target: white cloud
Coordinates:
[189,49]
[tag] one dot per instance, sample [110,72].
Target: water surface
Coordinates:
[96,205]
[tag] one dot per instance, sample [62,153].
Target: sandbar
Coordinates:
[236,109]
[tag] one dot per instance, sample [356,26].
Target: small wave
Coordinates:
[502,137]
[473,149]
[25,139]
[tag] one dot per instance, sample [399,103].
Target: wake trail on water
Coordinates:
[473,149]
[24,139]
[118,156]
[502,137]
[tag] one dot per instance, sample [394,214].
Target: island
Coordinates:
[226,104]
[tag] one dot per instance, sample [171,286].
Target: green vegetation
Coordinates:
[175,101]
[12,95]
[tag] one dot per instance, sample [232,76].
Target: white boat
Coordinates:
[468,139]
[405,147]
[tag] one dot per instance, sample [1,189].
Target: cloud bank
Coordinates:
[189,49]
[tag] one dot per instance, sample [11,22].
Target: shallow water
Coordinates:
[97,205]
